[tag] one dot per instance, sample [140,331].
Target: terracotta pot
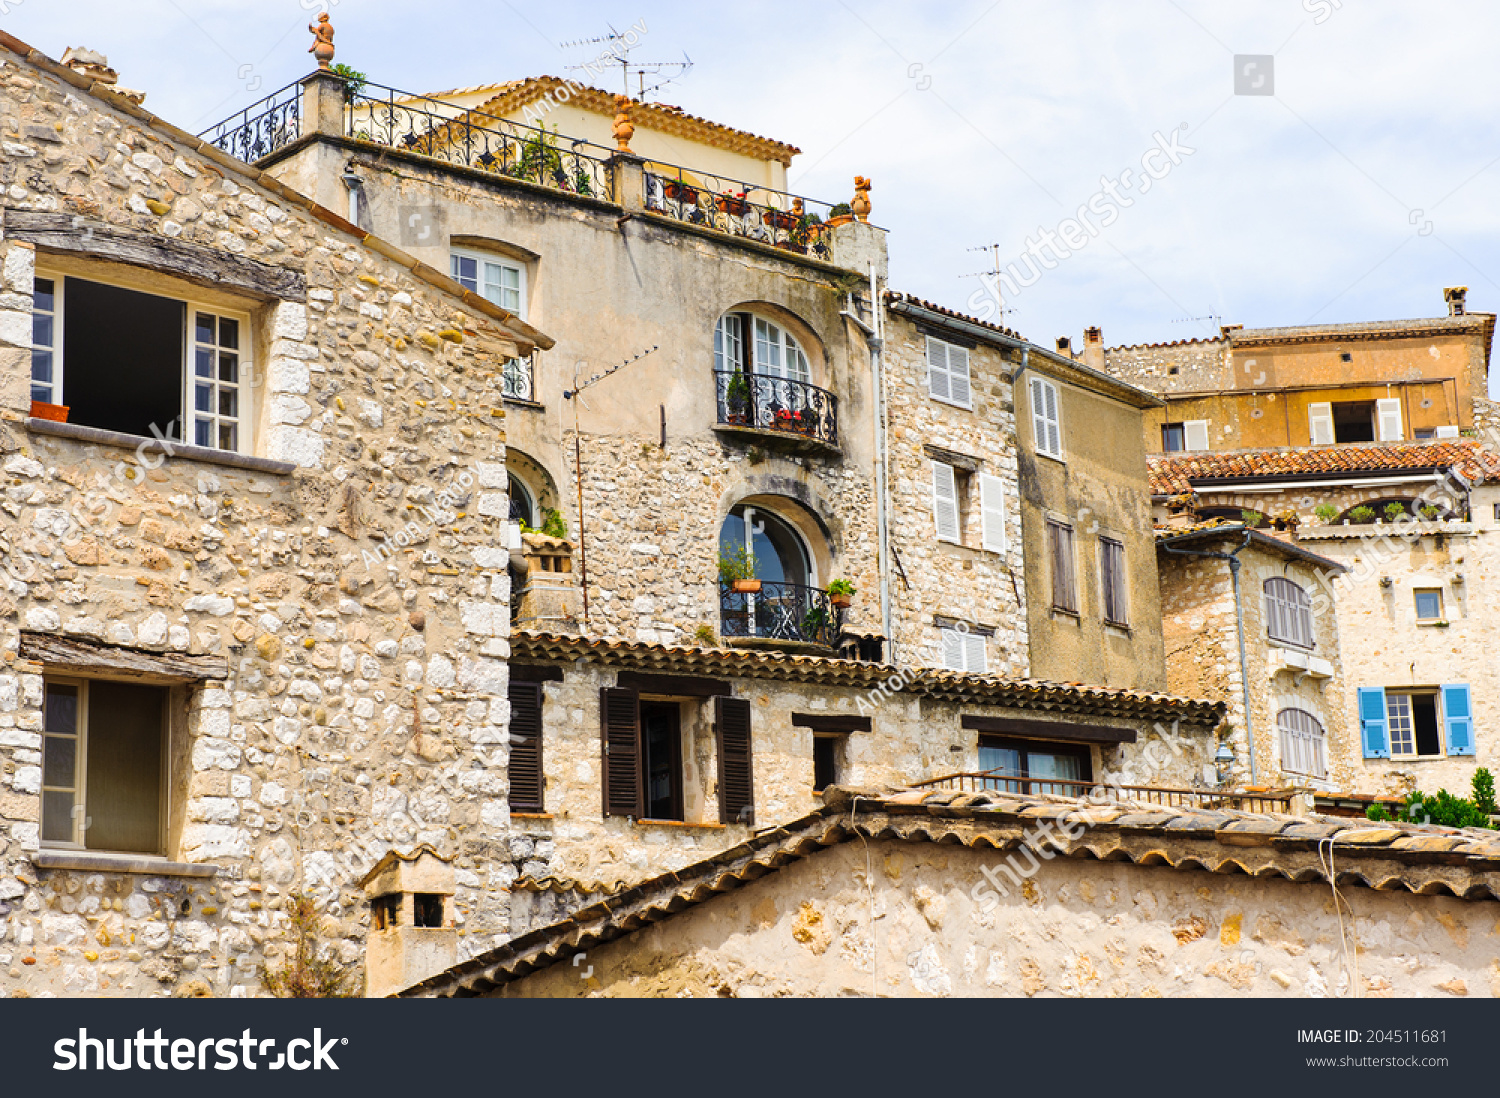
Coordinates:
[745,587]
[729,204]
[778,219]
[841,219]
[843,602]
[681,192]
[58,413]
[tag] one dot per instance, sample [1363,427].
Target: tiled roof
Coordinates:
[1172,474]
[1264,538]
[1424,860]
[953,686]
[1370,329]
[893,297]
[1206,341]
[551,883]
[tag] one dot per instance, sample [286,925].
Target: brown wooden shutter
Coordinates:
[526,781]
[736,774]
[620,747]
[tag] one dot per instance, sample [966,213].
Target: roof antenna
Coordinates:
[992,273]
[617,47]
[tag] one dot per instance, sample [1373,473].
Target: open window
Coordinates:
[144,364]
[1035,766]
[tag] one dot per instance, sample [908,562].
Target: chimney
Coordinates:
[1454,296]
[411,935]
[1093,348]
[1064,346]
[95,66]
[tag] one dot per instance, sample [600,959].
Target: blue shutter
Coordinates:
[1376,743]
[1458,719]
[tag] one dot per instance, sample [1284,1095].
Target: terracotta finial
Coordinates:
[860,207]
[322,47]
[624,128]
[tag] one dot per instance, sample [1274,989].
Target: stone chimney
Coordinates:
[1455,297]
[1064,346]
[95,66]
[1093,348]
[411,935]
[550,597]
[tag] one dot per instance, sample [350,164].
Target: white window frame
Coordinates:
[963,650]
[1416,604]
[1320,423]
[944,365]
[794,364]
[482,282]
[55,386]
[244,384]
[1409,721]
[1046,429]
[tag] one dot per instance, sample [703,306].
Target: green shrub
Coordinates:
[1251,518]
[1363,514]
[1484,791]
[1326,513]
[738,565]
[554,525]
[841,587]
[1394,511]
[307,975]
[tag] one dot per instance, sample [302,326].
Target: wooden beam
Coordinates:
[196,263]
[535,672]
[1066,731]
[673,686]
[86,656]
[831,722]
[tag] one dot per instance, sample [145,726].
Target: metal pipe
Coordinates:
[876,340]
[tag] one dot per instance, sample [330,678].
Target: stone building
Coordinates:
[254,623]
[936,893]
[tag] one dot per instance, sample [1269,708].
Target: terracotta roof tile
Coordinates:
[1172,474]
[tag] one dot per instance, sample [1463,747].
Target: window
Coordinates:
[103,757]
[1429,603]
[427,909]
[498,281]
[1355,421]
[993,535]
[963,649]
[385,911]
[140,363]
[522,504]
[1046,426]
[787,603]
[948,372]
[1415,723]
[772,352]
[1303,743]
[1497,512]
[1064,572]
[827,750]
[945,514]
[1413,717]
[1288,613]
[1112,573]
[1171,438]
[527,782]
[1066,764]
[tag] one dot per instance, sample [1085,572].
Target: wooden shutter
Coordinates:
[1389,415]
[958,374]
[1064,585]
[1195,434]
[1320,423]
[736,772]
[620,749]
[945,502]
[1046,427]
[992,513]
[1458,719]
[954,657]
[1449,431]
[937,370]
[975,660]
[526,782]
[1372,719]
[1112,560]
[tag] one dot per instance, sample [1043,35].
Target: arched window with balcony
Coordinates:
[764,381]
[1288,613]
[768,588]
[1304,746]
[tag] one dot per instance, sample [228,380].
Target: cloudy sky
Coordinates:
[1356,190]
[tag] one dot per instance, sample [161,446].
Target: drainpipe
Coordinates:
[1239,621]
[875,338]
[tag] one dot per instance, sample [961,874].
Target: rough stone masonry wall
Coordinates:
[1077,928]
[1200,364]
[962,582]
[366,705]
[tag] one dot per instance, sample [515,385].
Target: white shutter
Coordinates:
[953,649]
[1320,423]
[945,502]
[958,374]
[1389,412]
[992,512]
[974,654]
[1044,421]
[1195,434]
[937,370]
[1054,423]
[1447,432]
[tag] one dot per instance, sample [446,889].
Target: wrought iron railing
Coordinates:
[261,128]
[777,404]
[778,611]
[475,139]
[741,209]
[1004,782]
[520,378]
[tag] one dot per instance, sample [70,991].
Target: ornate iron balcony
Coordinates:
[261,128]
[778,611]
[781,220]
[520,379]
[777,404]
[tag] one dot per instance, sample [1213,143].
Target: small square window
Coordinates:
[1172,438]
[385,911]
[826,753]
[427,910]
[1429,604]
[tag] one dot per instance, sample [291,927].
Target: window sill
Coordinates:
[1117,629]
[951,403]
[1434,622]
[680,823]
[95,862]
[532,405]
[1072,615]
[1051,457]
[532,816]
[1419,758]
[151,445]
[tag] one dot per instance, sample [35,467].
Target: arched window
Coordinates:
[753,344]
[780,600]
[763,380]
[1288,613]
[776,546]
[522,504]
[1304,748]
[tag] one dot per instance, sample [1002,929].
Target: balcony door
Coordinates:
[788,605]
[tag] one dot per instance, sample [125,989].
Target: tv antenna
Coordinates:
[993,272]
[616,51]
[1197,319]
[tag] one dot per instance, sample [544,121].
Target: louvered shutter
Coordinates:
[1195,434]
[1458,719]
[1450,431]
[526,781]
[1374,739]
[945,502]
[736,771]
[975,660]
[954,657]
[1112,556]
[620,735]
[1045,425]
[1389,413]
[958,374]
[937,370]
[1320,423]
[992,513]
[1064,582]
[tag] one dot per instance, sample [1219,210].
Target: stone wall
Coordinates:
[1184,367]
[357,600]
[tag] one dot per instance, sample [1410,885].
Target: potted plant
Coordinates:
[1251,518]
[738,570]
[841,593]
[1394,511]
[1363,515]
[1326,513]
[731,203]
[678,191]
[737,397]
[840,215]
[1286,520]
[57,413]
[814,621]
[780,219]
[1431,512]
